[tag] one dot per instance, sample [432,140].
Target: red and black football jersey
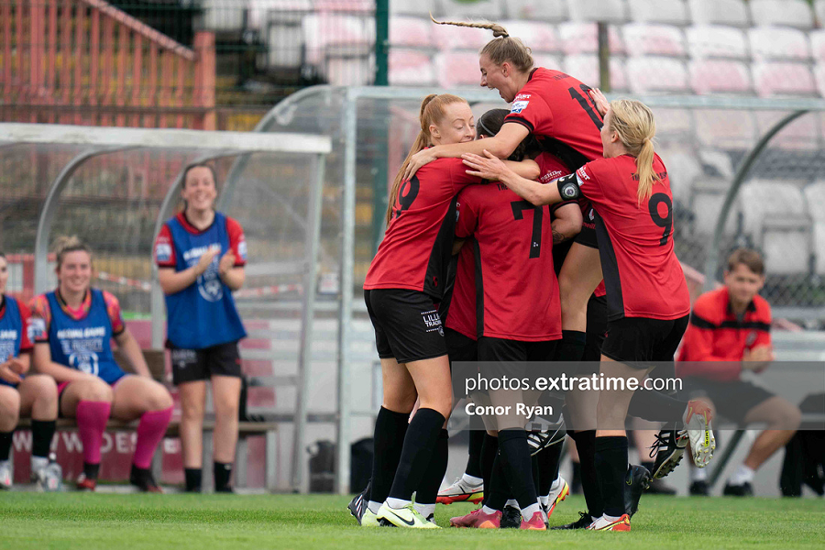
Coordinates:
[558,110]
[642,275]
[462,317]
[517,293]
[418,243]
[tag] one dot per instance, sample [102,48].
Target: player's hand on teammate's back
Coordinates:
[418,160]
[488,167]
[600,100]
[227,262]
[206,260]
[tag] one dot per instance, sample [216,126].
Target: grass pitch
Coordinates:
[116,522]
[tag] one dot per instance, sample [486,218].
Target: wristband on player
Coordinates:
[569,187]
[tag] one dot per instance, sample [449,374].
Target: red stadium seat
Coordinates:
[324,30]
[606,11]
[453,69]
[778,78]
[801,134]
[770,43]
[420,8]
[653,39]
[716,41]
[713,76]
[540,37]
[537,10]
[579,38]
[410,68]
[487,9]
[448,37]
[409,31]
[673,12]
[656,74]
[720,12]
[725,129]
[790,13]
[586,69]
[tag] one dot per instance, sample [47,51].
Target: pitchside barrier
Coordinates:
[744,171]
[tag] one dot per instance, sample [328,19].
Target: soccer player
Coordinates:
[730,330]
[648,301]
[201,254]
[513,258]
[405,280]
[23,394]
[73,327]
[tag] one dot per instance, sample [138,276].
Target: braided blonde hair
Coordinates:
[502,48]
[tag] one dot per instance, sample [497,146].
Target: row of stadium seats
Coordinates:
[794,13]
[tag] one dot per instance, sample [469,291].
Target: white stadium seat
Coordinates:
[801,134]
[486,9]
[606,11]
[720,12]
[653,39]
[819,247]
[410,68]
[409,31]
[706,205]
[790,13]
[586,68]
[714,76]
[673,12]
[447,37]
[656,74]
[457,69]
[537,10]
[717,41]
[771,43]
[782,79]
[538,36]
[774,215]
[725,129]
[284,32]
[420,8]
[817,39]
[579,38]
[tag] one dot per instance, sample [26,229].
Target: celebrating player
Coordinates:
[201,255]
[23,394]
[647,296]
[74,326]
[405,278]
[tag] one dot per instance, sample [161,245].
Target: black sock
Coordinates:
[548,465]
[572,345]
[42,433]
[648,464]
[194,479]
[576,482]
[656,406]
[489,451]
[515,455]
[5,444]
[474,460]
[91,470]
[390,429]
[586,445]
[611,469]
[223,471]
[428,491]
[419,443]
[499,491]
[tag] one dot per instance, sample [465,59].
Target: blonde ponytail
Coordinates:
[503,47]
[634,123]
[432,112]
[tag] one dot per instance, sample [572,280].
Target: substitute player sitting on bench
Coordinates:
[730,327]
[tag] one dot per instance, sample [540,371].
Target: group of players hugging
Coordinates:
[556,217]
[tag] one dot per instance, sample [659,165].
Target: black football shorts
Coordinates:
[407,324]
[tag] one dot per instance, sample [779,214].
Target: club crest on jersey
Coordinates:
[209,285]
[85,361]
[518,106]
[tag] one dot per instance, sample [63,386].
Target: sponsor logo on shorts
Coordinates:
[518,106]
[432,321]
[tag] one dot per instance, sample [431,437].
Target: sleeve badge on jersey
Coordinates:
[163,252]
[518,106]
[583,174]
[36,328]
[242,249]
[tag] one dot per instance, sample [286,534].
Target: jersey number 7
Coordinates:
[538,215]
